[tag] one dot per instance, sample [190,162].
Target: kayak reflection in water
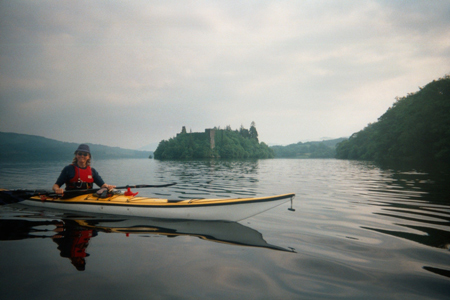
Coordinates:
[72,236]
[11,230]
[72,240]
[79,174]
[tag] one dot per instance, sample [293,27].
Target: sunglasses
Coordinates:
[82,153]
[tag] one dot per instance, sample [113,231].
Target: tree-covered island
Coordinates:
[214,143]
[415,130]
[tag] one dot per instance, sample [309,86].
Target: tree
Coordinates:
[253,133]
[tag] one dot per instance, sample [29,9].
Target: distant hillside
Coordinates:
[323,149]
[416,129]
[23,147]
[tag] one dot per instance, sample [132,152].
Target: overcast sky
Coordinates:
[132,73]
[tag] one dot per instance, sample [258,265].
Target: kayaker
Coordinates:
[79,174]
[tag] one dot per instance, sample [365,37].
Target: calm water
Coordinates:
[358,232]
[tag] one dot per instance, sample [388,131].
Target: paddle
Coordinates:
[14,196]
[138,186]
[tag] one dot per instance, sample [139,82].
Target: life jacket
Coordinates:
[83,179]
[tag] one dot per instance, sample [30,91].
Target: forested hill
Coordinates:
[23,147]
[323,149]
[416,129]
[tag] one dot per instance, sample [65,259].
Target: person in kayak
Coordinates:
[79,174]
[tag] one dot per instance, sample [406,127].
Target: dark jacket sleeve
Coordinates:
[66,174]
[97,178]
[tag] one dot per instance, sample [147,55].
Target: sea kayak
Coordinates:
[193,209]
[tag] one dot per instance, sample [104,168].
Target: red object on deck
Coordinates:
[130,193]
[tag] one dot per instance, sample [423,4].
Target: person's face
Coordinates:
[82,157]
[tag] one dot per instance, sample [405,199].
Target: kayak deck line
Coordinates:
[121,200]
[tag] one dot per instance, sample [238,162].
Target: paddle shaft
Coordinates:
[14,196]
[138,186]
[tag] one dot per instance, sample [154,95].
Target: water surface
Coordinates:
[358,232]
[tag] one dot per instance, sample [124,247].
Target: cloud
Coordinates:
[129,74]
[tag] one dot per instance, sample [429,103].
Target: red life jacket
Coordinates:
[83,179]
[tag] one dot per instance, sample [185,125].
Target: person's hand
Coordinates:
[108,186]
[58,191]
